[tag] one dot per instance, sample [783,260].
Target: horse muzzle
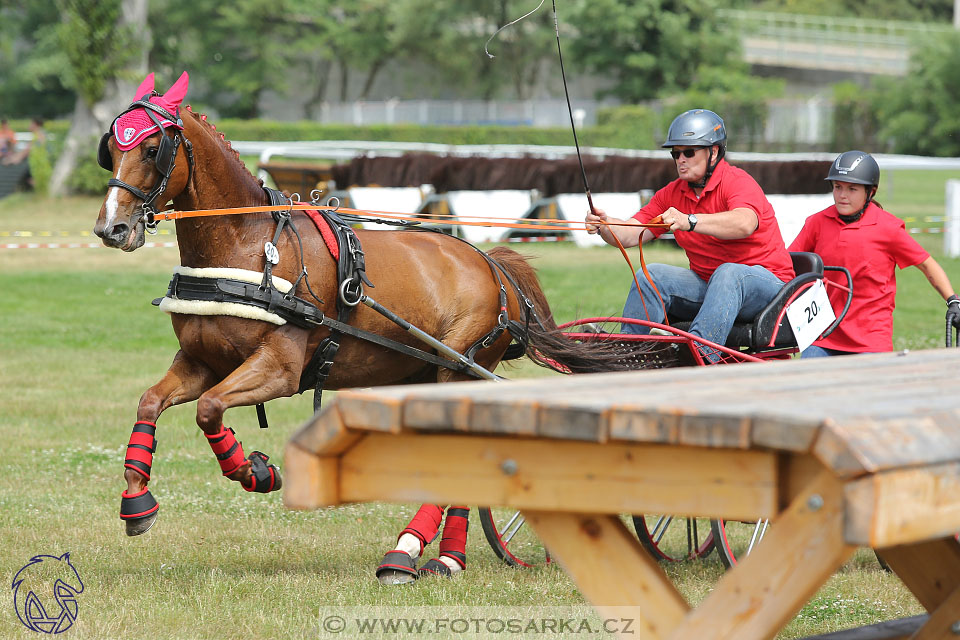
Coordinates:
[121,236]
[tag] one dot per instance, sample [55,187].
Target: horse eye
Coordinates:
[152,152]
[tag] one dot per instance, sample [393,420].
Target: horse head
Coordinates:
[141,153]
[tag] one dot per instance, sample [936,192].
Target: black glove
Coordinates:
[953,312]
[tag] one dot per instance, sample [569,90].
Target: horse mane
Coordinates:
[201,119]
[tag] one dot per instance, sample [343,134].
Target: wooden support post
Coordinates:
[611,569]
[801,550]
[944,623]
[931,570]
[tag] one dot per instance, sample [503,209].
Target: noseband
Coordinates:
[165,160]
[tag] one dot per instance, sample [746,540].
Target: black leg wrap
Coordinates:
[138,505]
[266,477]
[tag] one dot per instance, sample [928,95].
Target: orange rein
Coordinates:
[480,221]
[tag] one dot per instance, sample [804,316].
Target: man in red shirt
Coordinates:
[858,234]
[721,218]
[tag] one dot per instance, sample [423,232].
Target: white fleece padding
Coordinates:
[213,308]
[244,275]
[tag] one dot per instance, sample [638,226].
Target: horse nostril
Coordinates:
[118,231]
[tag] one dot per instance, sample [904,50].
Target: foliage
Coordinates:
[918,111]
[649,47]
[855,123]
[628,126]
[41,167]
[737,97]
[917,10]
[88,178]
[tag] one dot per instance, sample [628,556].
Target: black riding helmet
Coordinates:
[857,167]
[698,128]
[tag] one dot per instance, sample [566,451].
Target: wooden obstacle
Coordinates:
[838,452]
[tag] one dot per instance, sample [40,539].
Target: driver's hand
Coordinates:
[953,312]
[594,220]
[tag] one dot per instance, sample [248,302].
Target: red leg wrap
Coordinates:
[453,544]
[425,524]
[140,449]
[229,452]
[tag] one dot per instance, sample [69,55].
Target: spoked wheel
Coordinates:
[674,538]
[735,539]
[512,541]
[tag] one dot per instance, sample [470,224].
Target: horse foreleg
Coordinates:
[184,381]
[272,372]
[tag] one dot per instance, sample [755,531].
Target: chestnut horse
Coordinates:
[439,284]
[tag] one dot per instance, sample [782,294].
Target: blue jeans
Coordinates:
[813,351]
[734,292]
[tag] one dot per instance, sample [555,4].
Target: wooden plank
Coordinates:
[944,623]
[795,434]
[931,570]
[868,445]
[573,423]
[559,475]
[904,506]
[326,434]
[755,599]
[310,482]
[901,629]
[611,569]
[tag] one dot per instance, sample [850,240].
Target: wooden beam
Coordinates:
[931,570]
[612,570]
[801,550]
[944,623]
[897,507]
[310,482]
[560,475]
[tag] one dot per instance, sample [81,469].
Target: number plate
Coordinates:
[810,314]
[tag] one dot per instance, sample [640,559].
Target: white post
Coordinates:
[956,14]
[951,221]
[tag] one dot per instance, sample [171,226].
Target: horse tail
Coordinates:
[545,343]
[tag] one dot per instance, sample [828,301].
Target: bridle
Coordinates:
[165,160]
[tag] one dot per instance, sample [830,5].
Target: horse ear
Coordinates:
[176,93]
[145,87]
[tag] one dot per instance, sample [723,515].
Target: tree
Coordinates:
[649,47]
[918,113]
[98,49]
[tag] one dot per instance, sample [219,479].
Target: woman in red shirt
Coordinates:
[858,234]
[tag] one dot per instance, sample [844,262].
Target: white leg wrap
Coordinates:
[409,543]
[450,562]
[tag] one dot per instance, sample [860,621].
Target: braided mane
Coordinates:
[202,118]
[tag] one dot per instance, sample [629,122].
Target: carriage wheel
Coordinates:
[674,539]
[735,539]
[512,541]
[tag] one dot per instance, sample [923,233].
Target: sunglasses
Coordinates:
[686,153]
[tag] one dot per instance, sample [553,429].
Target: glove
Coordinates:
[953,312]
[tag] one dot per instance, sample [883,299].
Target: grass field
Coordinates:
[79,343]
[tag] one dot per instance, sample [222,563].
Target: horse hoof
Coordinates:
[141,525]
[264,477]
[139,511]
[391,577]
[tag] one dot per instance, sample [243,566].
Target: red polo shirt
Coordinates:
[869,248]
[728,188]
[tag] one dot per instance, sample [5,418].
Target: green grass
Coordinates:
[79,343]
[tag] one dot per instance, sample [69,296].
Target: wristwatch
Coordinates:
[692,219]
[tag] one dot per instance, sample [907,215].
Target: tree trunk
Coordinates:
[371,76]
[89,122]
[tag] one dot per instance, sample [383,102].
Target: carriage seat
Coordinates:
[755,335]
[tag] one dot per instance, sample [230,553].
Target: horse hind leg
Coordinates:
[184,381]
[400,565]
[270,373]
